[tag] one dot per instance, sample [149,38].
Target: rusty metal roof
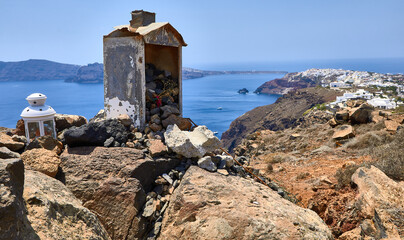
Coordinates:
[150,29]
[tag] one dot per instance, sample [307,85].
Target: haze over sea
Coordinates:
[201,97]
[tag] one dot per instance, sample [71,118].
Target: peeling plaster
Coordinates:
[115,107]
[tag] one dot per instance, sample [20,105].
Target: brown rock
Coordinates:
[182,123]
[46,142]
[19,128]
[343,132]
[155,127]
[11,203]
[64,121]
[211,206]
[376,117]
[399,118]
[342,116]
[54,213]
[380,200]
[362,114]
[391,125]
[8,142]
[157,148]
[42,160]
[125,120]
[332,122]
[112,183]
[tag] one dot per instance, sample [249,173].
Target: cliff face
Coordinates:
[284,113]
[290,81]
[33,70]
[92,73]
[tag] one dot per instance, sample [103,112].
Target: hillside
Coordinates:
[35,69]
[323,77]
[284,113]
[91,73]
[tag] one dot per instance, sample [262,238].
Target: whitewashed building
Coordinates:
[383,103]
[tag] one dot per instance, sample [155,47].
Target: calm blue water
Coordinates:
[201,98]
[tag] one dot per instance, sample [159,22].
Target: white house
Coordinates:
[383,103]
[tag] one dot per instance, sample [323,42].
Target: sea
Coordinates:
[212,101]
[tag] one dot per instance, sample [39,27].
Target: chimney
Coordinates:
[142,18]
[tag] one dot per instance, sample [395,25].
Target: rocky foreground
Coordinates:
[105,179]
[325,176]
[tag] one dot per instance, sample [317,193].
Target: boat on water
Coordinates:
[219,108]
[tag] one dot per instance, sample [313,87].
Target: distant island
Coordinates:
[34,69]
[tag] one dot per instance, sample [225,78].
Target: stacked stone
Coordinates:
[162,98]
[158,199]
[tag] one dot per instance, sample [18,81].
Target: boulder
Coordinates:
[64,121]
[157,148]
[112,183]
[207,164]
[11,203]
[155,127]
[191,144]
[46,142]
[213,206]
[96,133]
[343,132]
[391,125]
[100,116]
[332,122]
[168,110]
[342,116]
[376,117]
[380,201]
[19,128]
[125,120]
[54,213]
[42,160]
[182,123]
[361,114]
[8,142]
[5,153]
[225,161]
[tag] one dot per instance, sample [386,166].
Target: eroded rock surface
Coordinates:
[112,183]
[54,213]
[42,160]
[11,204]
[211,206]
[380,200]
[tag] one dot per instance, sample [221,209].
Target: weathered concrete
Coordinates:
[124,79]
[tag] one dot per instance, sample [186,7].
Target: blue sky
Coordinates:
[216,31]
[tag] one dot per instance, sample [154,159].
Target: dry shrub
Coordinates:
[280,157]
[369,140]
[369,127]
[390,157]
[344,175]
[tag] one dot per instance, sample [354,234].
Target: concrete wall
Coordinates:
[124,79]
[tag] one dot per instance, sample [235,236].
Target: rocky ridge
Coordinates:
[284,113]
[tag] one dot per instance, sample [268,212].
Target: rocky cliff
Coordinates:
[284,113]
[34,69]
[285,84]
[92,73]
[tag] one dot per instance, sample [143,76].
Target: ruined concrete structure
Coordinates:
[127,51]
